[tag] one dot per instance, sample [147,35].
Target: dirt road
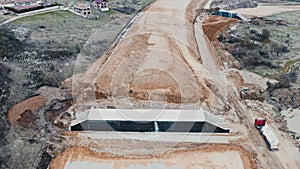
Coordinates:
[157,59]
[266,10]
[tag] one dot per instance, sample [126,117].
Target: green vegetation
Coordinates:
[42,49]
[269,48]
[5,17]
[46,48]
[110,12]
[58,16]
[289,65]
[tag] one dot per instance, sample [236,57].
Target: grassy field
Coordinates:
[61,18]
[289,36]
[52,43]
[60,28]
[291,32]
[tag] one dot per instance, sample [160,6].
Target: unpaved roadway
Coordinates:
[266,10]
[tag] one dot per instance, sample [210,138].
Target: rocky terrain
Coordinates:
[265,48]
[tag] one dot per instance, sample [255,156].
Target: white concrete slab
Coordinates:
[146,115]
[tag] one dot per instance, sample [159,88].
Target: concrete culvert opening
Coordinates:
[130,120]
[154,126]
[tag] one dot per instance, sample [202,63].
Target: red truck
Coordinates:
[259,123]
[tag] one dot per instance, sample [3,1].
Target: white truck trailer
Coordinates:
[269,137]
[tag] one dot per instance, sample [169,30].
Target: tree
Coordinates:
[284,81]
[278,48]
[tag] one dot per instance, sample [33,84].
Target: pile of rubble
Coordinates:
[245,94]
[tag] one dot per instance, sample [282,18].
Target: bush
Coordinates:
[284,82]
[265,34]
[4,71]
[221,37]
[278,48]
[293,76]
[233,39]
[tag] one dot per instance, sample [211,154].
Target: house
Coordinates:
[82,9]
[11,3]
[21,6]
[100,4]
[6,3]
[26,8]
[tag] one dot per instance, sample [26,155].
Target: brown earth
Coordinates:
[214,24]
[51,102]
[29,105]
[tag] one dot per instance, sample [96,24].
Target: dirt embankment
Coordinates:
[214,24]
[51,103]
[15,113]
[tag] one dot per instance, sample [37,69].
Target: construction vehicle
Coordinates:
[267,134]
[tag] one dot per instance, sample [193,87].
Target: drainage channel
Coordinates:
[153,126]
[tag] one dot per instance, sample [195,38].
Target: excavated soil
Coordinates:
[214,24]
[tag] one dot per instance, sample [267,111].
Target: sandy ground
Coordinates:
[226,160]
[252,78]
[204,156]
[266,10]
